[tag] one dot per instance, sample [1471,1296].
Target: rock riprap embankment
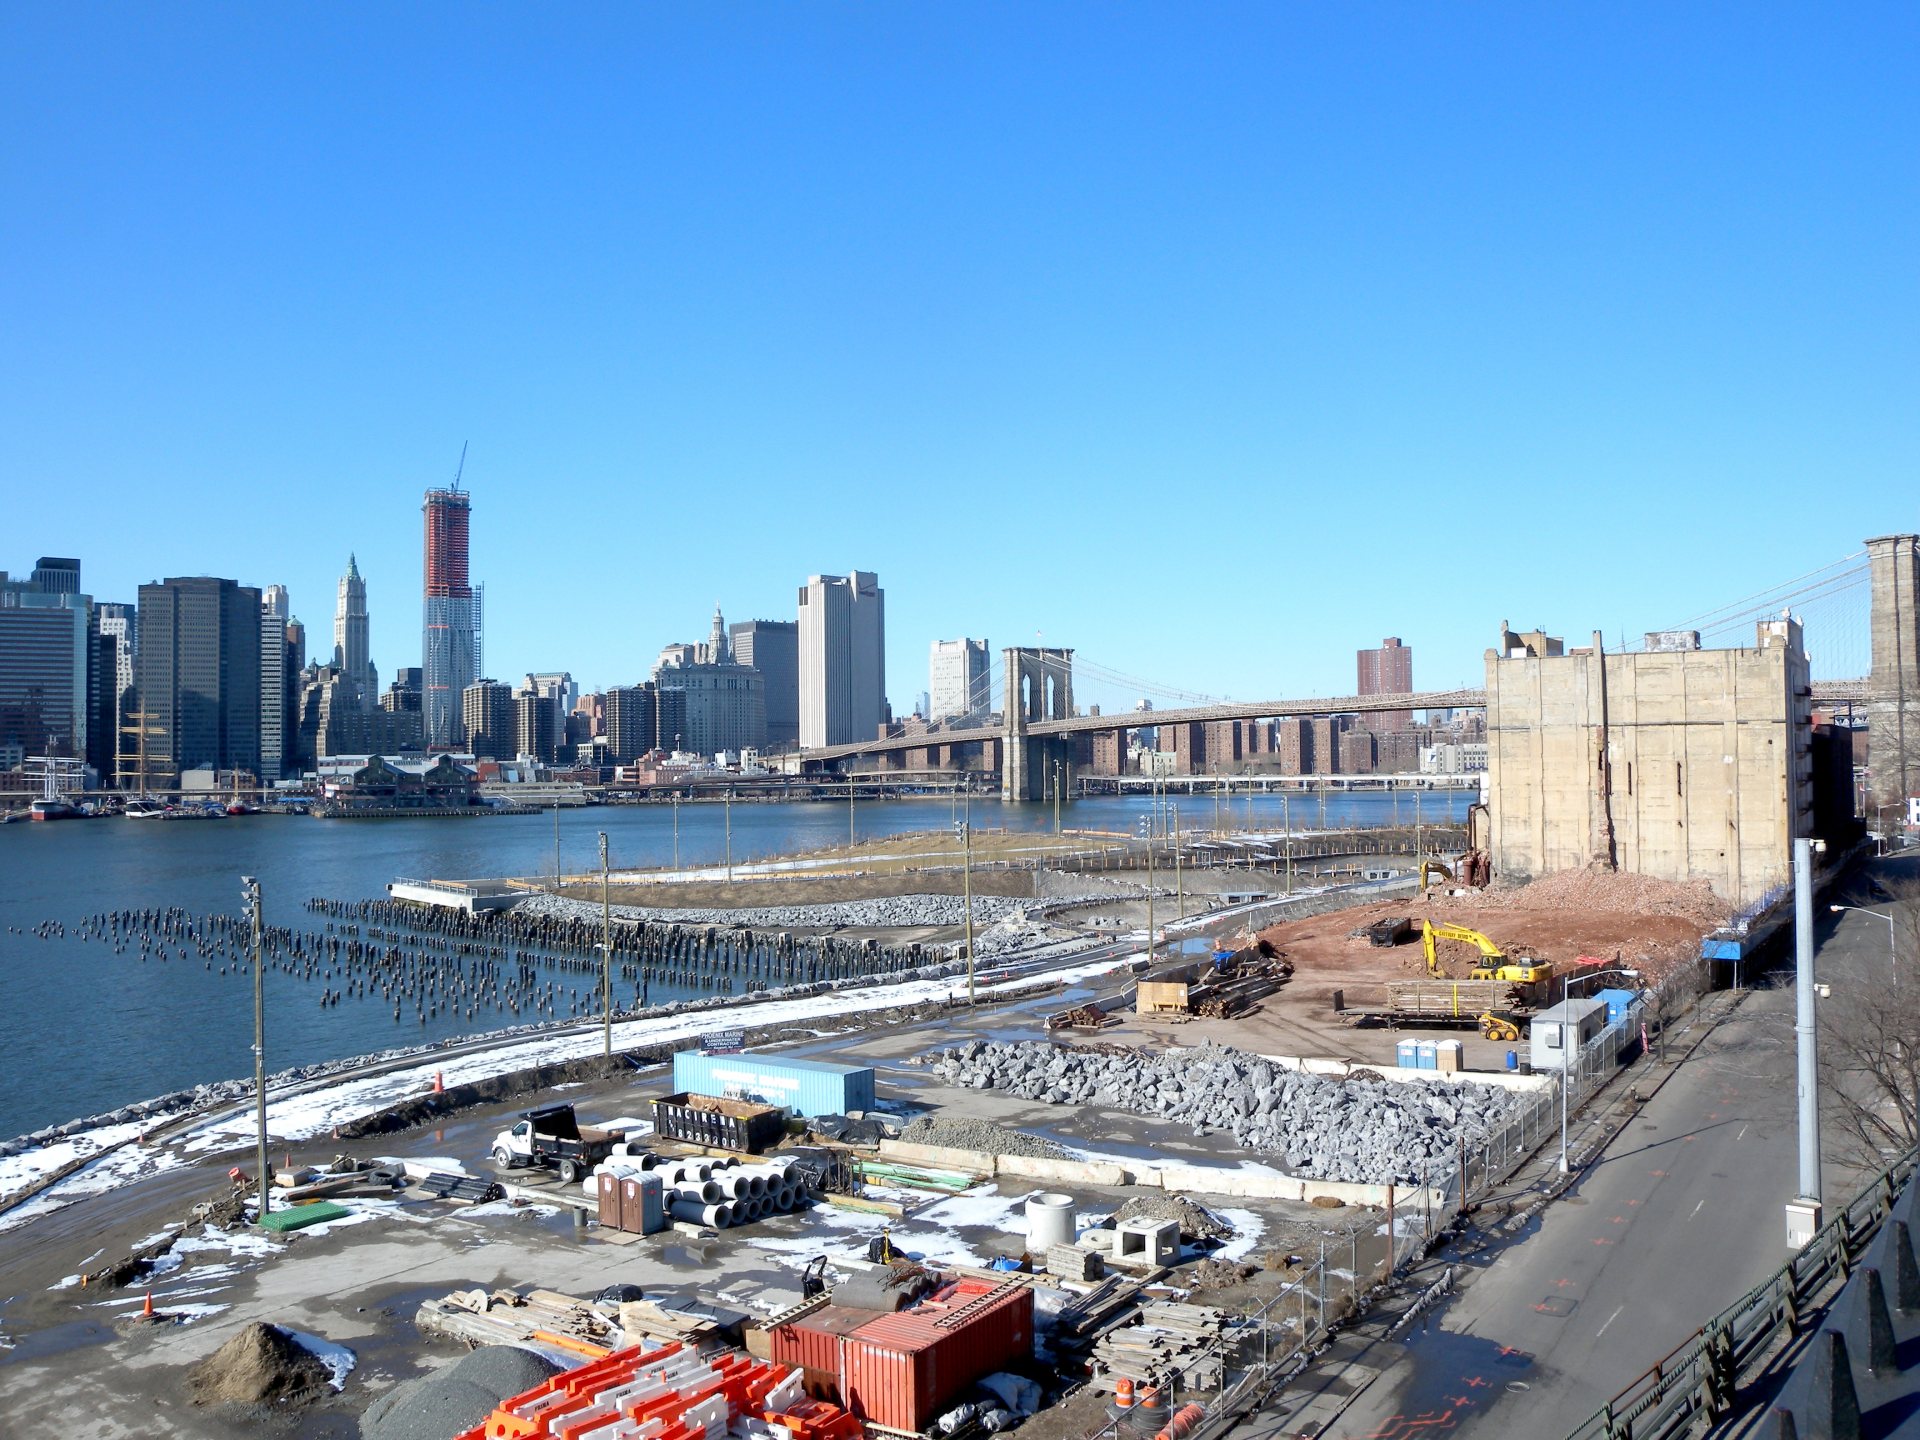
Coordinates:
[1360,1127]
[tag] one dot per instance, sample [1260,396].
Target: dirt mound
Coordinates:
[262,1365]
[1603,891]
[1196,1221]
[957,1133]
[456,1398]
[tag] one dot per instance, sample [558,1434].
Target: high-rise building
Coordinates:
[199,673]
[403,696]
[1387,671]
[724,704]
[959,680]
[46,655]
[452,642]
[273,692]
[110,683]
[773,648]
[843,659]
[535,726]
[56,575]
[352,653]
[488,719]
[632,721]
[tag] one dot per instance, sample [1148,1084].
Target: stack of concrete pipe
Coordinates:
[721,1193]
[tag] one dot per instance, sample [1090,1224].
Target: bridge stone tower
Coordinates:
[1893,687]
[1039,687]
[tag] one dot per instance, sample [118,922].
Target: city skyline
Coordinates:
[1254,274]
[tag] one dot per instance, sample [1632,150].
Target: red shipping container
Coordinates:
[900,1371]
[812,1342]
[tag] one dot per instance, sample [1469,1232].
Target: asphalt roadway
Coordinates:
[1681,1215]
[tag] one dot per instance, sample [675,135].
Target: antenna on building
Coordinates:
[463,465]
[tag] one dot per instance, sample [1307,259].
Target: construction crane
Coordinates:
[1495,963]
[462,467]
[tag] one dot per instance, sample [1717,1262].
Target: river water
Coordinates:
[89,1029]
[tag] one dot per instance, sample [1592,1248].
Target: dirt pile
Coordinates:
[455,1398]
[961,1134]
[262,1365]
[1196,1221]
[1606,891]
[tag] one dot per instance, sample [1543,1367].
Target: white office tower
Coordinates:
[843,659]
[959,681]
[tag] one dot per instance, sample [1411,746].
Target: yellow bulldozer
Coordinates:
[1494,963]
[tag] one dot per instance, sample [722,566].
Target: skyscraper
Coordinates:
[352,655]
[773,648]
[452,644]
[273,687]
[843,658]
[200,675]
[110,685]
[959,680]
[45,654]
[1387,671]
[488,718]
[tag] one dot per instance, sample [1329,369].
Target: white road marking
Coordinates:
[1610,1319]
[1696,1209]
[1743,1133]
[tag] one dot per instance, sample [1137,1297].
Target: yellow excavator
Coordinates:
[1495,963]
[1431,868]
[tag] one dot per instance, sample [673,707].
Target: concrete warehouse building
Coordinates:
[1682,764]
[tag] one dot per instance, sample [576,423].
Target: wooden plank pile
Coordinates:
[510,1317]
[1173,1344]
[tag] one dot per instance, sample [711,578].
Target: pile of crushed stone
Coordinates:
[457,1397]
[961,1134]
[262,1365]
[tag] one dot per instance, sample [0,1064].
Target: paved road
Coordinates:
[1683,1214]
[1681,1217]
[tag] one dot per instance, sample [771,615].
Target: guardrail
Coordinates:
[1700,1379]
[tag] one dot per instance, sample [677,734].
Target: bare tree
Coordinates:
[1870,1032]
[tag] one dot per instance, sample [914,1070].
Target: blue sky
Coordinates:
[1214,341]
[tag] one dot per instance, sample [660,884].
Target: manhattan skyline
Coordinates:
[1345,325]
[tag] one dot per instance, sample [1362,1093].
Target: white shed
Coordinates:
[1567,1026]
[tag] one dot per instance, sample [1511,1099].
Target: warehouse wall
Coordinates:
[1682,765]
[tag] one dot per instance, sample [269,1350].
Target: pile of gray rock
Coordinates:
[957,1132]
[1360,1127]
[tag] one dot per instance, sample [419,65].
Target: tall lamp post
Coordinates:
[606,955]
[966,884]
[250,888]
[1893,954]
[1566,987]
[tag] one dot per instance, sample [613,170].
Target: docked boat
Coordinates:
[145,810]
[54,808]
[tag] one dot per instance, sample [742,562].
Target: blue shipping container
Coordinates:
[1618,1003]
[806,1087]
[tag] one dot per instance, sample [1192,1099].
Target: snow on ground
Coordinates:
[338,1359]
[303,1116]
[1247,1230]
[129,1163]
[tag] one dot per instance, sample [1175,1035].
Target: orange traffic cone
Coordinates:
[146,1310]
[439,1085]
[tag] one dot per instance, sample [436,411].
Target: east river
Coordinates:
[89,1029]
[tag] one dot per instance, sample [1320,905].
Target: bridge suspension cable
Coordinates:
[1831,602]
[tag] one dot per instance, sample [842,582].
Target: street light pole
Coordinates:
[1804,1024]
[729,809]
[250,887]
[676,829]
[966,886]
[606,954]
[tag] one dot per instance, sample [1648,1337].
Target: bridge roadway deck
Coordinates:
[1824,692]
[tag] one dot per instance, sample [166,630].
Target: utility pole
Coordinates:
[1179,884]
[676,829]
[1056,797]
[556,847]
[729,809]
[1150,875]
[250,888]
[606,954]
[1804,1208]
[1286,822]
[966,887]
[850,839]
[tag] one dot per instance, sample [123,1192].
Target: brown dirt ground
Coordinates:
[1616,919]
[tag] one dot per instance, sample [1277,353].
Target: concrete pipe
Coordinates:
[756,1186]
[718,1217]
[735,1186]
[1050,1221]
[700,1192]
